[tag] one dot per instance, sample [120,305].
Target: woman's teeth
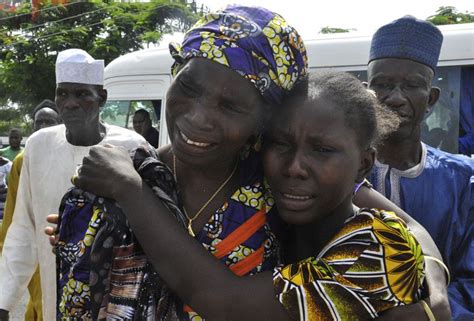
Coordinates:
[296,197]
[191,142]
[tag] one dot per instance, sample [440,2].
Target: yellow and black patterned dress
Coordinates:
[372,264]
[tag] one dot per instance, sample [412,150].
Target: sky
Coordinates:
[309,16]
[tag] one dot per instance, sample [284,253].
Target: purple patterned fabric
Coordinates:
[103,272]
[254,42]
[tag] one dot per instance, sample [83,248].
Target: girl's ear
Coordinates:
[367,159]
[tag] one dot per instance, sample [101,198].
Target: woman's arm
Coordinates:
[435,275]
[196,277]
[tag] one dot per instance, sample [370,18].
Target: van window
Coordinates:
[441,126]
[120,112]
[115,112]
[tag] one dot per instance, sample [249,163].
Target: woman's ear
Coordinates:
[367,159]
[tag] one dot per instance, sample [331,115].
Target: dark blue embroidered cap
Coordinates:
[408,38]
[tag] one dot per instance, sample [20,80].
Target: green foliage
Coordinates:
[327,30]
[105,29]
[13,117]
[449,15]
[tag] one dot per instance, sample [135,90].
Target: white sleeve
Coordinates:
[20,256]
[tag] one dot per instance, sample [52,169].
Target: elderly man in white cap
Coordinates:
[50,160]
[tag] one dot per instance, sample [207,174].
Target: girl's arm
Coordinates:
[435,275]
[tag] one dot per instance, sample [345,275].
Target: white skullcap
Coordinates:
[77,66]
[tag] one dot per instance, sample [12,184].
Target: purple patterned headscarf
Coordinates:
[254,42]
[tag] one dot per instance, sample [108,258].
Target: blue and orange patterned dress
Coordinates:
[241,234]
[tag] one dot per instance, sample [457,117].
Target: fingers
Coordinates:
[97,184]
[53,240]
[52,218]
[50,230]
[103,170]
[109,145]
[98,149]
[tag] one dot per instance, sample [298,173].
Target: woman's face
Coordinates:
[312,161]
[211,112]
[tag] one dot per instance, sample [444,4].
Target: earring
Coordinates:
[257,146]
[253,143]
[245,151]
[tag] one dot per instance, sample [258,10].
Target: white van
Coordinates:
[140,80]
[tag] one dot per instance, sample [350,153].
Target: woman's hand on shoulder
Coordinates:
[107,171]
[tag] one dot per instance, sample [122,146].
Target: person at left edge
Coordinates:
[14,147]
[44,115]
[50,159]
[5,167]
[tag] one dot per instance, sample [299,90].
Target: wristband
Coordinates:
[428,311]
[445,268]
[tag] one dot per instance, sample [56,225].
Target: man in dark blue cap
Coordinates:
[434,187]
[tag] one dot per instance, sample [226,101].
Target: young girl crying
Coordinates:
[341,262]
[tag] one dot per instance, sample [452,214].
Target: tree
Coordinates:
[450,15]
[28,47]
[327,30]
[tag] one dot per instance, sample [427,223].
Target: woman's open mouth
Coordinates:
[297,197]
[192,142]
[295,202]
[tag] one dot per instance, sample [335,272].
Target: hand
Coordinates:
[52,231]
[4,315]
[107,171]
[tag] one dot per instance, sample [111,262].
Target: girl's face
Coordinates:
[211,112]
[312,161]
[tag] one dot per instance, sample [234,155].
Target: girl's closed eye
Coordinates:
[231,107]
[323,149]
[279,144]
